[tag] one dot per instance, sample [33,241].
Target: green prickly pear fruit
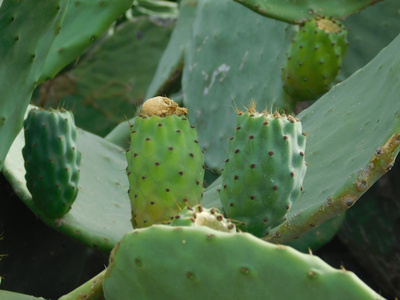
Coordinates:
[200,216]
[51,160]
[314,58]
[264,172]
[165,163]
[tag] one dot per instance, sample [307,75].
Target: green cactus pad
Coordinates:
[84,22]
[51,160]
[368,33]
[27,30]
[201,216]
[314,59]
[294,11]
[264,172]
[101,212]
[164,262]
[165,163]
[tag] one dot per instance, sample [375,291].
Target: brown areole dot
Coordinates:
[157,163]
[275,188]
[167,190]
[292,174]
[251,137]
[236,177]
[160,125]
[270,153]
[191,155]
[252,166]
[147,139]
[170,148]
[285,137]
[237,151]
[180,173]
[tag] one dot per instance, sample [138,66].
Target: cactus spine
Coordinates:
[165,163]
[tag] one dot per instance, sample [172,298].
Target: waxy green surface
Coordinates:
[293,11]
[24,44]
[142,266]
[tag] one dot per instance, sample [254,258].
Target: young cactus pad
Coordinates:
[201,216]
[314,58]
[264,171]
[51,160]
[165,163]
[166,262]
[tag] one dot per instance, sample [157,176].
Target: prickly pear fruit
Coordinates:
[165,163]
[51,160]
[315,58]
[200,216]
[264,171]
[166,262]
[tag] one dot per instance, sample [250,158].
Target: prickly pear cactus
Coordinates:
[51,160]
[314,58]
[264,171]
[201,216]
[165,163]
[165,262]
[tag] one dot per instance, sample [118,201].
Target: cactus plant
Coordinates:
[50,152]
[213,61]
[165,163]
[314,58]
[264,171]
[142,261]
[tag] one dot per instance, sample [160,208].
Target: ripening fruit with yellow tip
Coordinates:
[165,163]
[314,58]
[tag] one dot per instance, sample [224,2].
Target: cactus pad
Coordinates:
[200,216]
[165,163]
[165,262]
[264,171]
[51,160]
[315,58]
